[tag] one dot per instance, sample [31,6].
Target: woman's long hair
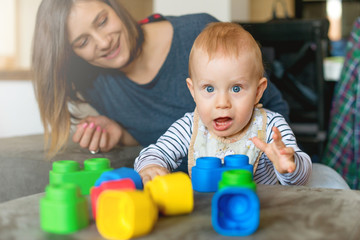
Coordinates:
[59,76]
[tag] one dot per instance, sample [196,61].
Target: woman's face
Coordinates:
[97,34]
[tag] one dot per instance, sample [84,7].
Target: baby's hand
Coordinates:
[281,156]
[149,172]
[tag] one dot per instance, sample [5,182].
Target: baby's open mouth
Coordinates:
[222,123]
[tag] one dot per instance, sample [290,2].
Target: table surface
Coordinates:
[286,212]
[290,212]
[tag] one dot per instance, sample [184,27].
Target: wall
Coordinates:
[7,34]
[27,10]
[19,114]
[139,9]
[224,10]
[173,7]
[19,111]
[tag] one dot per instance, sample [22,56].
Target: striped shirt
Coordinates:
[173,146]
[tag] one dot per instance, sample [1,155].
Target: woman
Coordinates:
[132,73]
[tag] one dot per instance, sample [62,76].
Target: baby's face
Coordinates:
[225,91]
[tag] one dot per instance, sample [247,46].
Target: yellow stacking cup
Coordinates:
[172,193]
[125,214]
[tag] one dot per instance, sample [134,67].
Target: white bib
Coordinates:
[205,144]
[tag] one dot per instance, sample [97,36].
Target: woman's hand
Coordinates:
[101,133]
[281,156]
[149,172]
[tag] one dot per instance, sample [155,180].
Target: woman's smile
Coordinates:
[114,51]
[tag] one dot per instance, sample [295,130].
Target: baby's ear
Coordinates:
[190,86]
[260,89]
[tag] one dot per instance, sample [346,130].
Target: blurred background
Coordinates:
[18,109]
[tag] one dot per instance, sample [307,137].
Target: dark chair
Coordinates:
[293,52]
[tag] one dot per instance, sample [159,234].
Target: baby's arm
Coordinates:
[166,154]
[292,166]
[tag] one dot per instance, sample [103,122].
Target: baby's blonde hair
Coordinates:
[228,40]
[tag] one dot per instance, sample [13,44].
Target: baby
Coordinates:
[226,81]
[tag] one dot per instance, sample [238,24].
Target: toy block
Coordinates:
[235,208]
[172,193]
[206,174]
[125,214]
[121,173]
[63,209]
[121,184]
[68,171]
[237,178]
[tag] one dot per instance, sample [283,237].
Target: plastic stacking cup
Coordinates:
[121,184]
[172,193]
[238,161]
[63,209]
[237,178]
[235,211]
[125,214]
[120,173]
[235,207]
[206,174]
[69,171]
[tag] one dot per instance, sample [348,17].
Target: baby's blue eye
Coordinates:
[236,89]
[209,88]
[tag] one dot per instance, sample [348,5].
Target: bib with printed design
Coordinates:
[205,144]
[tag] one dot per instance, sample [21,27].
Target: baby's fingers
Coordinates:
[151,171]
[259,143]
[287,151]
[150,175]
[291,167]
[146,178]
[277,138]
